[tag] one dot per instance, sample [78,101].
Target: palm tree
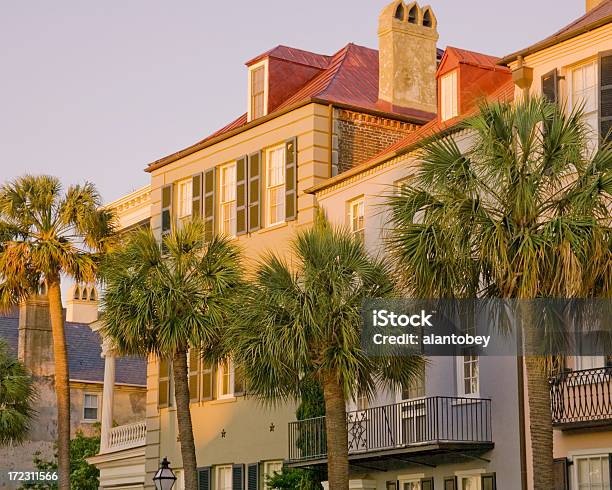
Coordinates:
[301,321]
[16,398]
[523,213]
[44,234]
[162,300]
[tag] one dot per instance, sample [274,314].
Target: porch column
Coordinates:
[107,396]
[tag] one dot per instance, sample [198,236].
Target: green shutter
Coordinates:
[166,210]
[196,195]
[253,476]
[241,196]
[254,192]
[487,481]
[210,184]
[238,477]
[291,179]
[208,382]
[560,480]
[204,478]
[550,86]
[194,372]
[427,484]
[605,96]
[450,483]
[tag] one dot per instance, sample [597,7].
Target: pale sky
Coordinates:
[95,90]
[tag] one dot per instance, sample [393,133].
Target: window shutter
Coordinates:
[163,385]
[291,179]
[254,192]
[194,371]
[241,196]
[238,477]
[166,210]
[560,474]
[239,382]
[208,382]
[196,195]
[550,86]
[450,483]
[427,484]
[253,476]
[487,482]
[605,96]
[209,202]
[204,478]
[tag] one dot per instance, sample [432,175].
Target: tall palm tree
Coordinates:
[162,300]
[44,234]
[301,321]
[524,212]
[16,398]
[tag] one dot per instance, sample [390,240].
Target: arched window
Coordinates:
[84,294]
[92,295]
[427,19]
[77,293]
[412,15]
[399,12]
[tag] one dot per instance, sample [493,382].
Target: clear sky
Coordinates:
[95,90]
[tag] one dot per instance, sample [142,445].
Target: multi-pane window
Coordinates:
[227,203]
[225,380]
[416,388]
[410,485]
[185,190]
[223,477]
[270,468]
[593,473]
[258,76]
[468,377]
[165,386]
[362,402]
[448,96]
[275,186]
[584,94]
[469,482]
[90,407]
[357,216]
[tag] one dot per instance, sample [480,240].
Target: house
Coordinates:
[27,331]
[574,67]
[458,427]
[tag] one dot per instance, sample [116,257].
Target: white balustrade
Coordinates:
[127,436]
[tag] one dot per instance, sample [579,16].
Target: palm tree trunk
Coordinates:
[336,432]
[538,393]
[183,415]
[62,386]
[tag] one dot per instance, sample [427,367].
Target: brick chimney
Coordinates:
[591,4]
[407,36]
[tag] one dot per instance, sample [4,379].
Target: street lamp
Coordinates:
[164,478]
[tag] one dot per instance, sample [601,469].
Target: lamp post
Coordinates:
[164,478]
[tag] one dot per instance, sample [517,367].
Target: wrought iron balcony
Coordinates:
[423,426]
[581,399]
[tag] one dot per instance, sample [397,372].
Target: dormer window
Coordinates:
[448,96]
[257,91]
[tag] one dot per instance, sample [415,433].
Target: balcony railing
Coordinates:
[582,398]
[127,436]
[420,422]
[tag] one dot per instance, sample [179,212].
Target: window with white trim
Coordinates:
[416,388]
[592,472]
[584,88]
[275,186]
[410,484]
[270,468]
[227,202]
[357,216]
[185,190]
[223,477]
[448,96]
[90,407]
[468,378]
[469,482]
[258,91]
[225,380]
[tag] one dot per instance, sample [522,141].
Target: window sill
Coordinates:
[89,421]
[219,401]
[273,227]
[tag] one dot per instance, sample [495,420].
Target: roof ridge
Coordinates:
[576,21]
[344,55]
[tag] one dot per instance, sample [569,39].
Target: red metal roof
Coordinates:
[349,78]
[472,58]
[294,55]
[596,17]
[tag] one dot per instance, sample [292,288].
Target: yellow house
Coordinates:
[574,67]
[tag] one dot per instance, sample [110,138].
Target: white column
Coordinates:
[107,396]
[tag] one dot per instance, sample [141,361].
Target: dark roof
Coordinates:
[85,362]
[596,17]
[348,78]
